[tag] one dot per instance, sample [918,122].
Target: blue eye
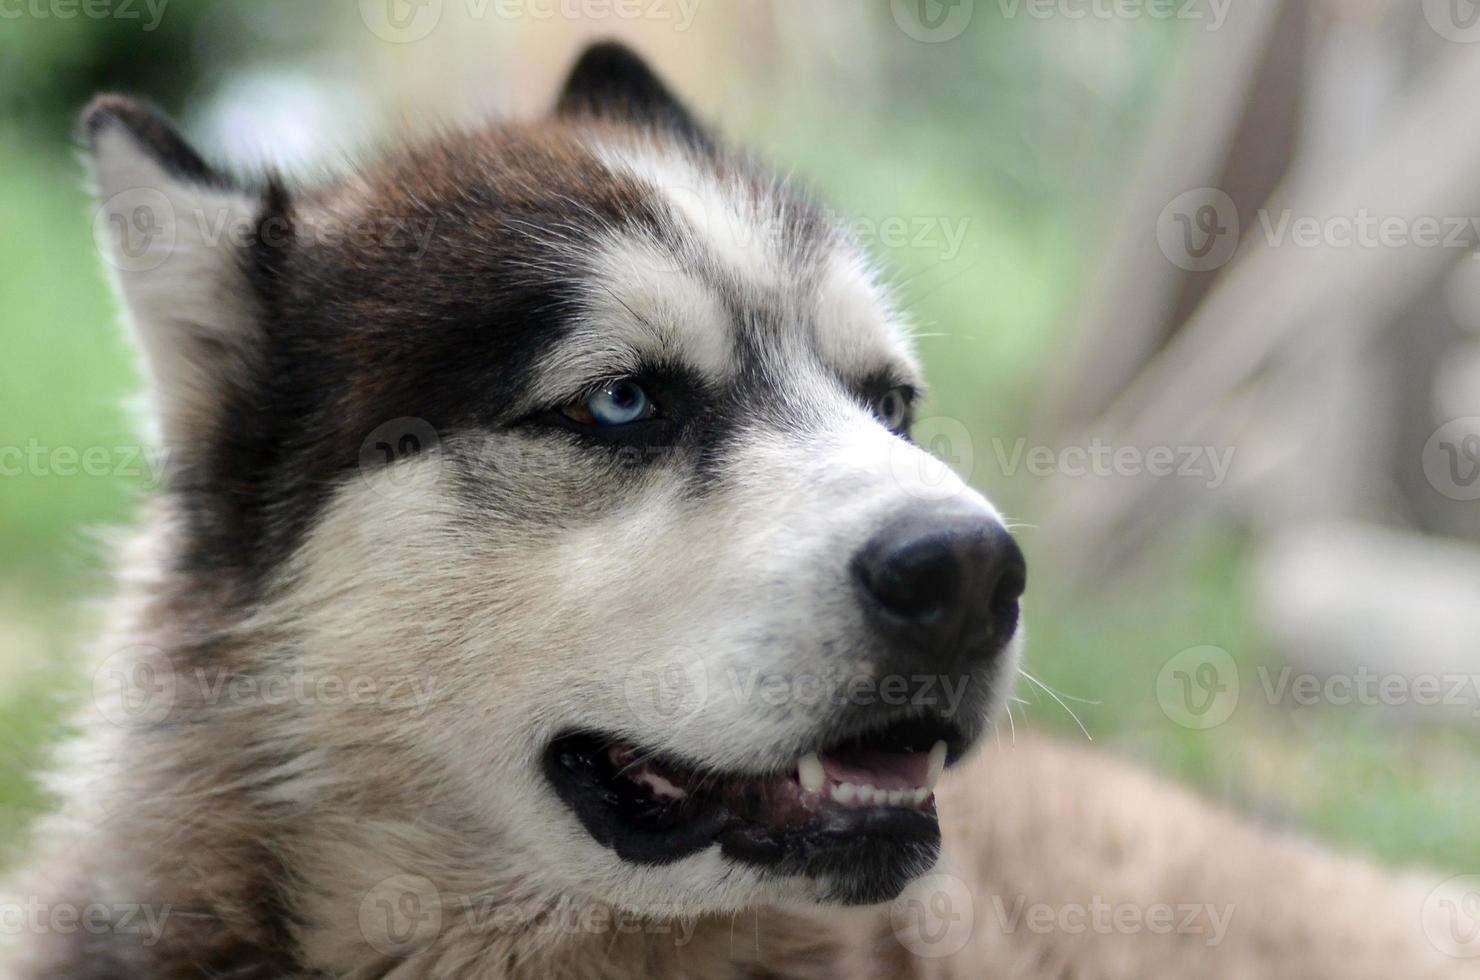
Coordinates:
[893,408]
[616,403]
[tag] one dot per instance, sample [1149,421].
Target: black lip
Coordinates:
[861,855]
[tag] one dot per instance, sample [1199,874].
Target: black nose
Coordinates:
[944,586]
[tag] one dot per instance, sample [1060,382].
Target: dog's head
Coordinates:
[596,434]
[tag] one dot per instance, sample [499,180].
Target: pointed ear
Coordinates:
[610,81]
[179,238]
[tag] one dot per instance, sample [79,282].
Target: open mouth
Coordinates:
[857,814]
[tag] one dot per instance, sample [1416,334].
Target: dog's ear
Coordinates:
[610,81]
[182,242]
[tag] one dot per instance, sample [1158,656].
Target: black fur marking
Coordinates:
[612,82]
[447,329]
[153,132]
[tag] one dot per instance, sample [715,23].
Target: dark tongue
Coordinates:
[883,770]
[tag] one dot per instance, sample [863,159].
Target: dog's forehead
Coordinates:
[660,252]
[739,267]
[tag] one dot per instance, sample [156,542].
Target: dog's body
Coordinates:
[469,639]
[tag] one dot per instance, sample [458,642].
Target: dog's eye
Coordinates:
[893,408]
[614,403]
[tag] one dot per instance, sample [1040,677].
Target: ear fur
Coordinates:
[610,81]
[177,235]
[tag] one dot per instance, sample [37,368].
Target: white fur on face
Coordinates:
[643,308]
[733,230]
[537,589]
[856,328]
[525,629]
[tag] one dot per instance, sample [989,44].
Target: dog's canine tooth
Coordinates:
[811,774]
[937,764]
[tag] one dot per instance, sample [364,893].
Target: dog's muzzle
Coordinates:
[939,587]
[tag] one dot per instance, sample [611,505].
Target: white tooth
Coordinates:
[866,793]
[937,764]
[844,792]
[809,772]
[896,796]
[921,795]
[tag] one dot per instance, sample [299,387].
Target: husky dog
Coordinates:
[546,585]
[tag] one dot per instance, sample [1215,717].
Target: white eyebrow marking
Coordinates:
[739,231]
[639,308]
[858,332]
